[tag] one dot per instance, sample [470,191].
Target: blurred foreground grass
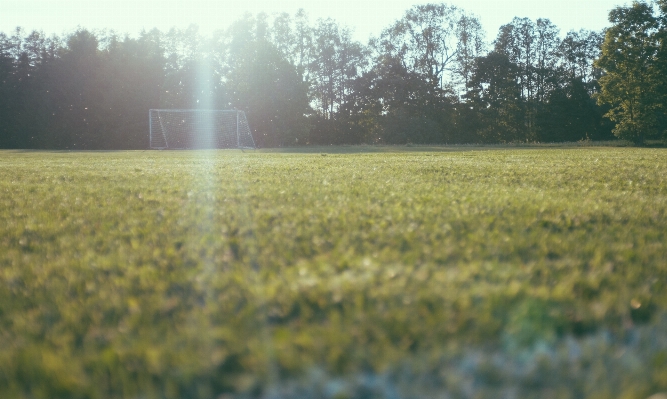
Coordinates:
[195,274]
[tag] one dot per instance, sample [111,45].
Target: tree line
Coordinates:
[429,78]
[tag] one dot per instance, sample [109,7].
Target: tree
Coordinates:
[571,114]
[406,107]
[629,59]
[293,38]
[495,99]
[578,51]
[421,63]
[75,95]
[133,74]
[22,96]
[526,47]
[470,46]
[661,66]
[337,62]
[568,112]
[6,92]
[261,81]
[547,57]
[516,41]
[437,41]
[192,77]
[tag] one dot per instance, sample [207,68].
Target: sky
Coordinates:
[364,17]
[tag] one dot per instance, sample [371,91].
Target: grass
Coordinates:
[195,274]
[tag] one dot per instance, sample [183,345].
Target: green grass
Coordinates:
[190,274]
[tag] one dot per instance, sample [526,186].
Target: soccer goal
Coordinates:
[198,128]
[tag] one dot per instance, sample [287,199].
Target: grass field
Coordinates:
[424,273]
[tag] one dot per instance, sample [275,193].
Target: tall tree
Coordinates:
[6,92]
[516,41]
[337,62]
[661,66]
[293,37]
[436,41]
[630,60]
[571,114]
[422,62]
[192,77]
[67,94]
[406,107]
[261,81]
[495,102]
[21,87]
[133,74]
[578,51]
[470,46]
[547,57]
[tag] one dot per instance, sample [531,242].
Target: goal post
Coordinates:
[198,128]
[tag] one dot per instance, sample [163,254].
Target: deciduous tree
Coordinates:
[262,82]
[629,59]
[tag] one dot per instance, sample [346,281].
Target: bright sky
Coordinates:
[365,17]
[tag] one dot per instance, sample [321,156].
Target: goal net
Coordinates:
[199,128]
